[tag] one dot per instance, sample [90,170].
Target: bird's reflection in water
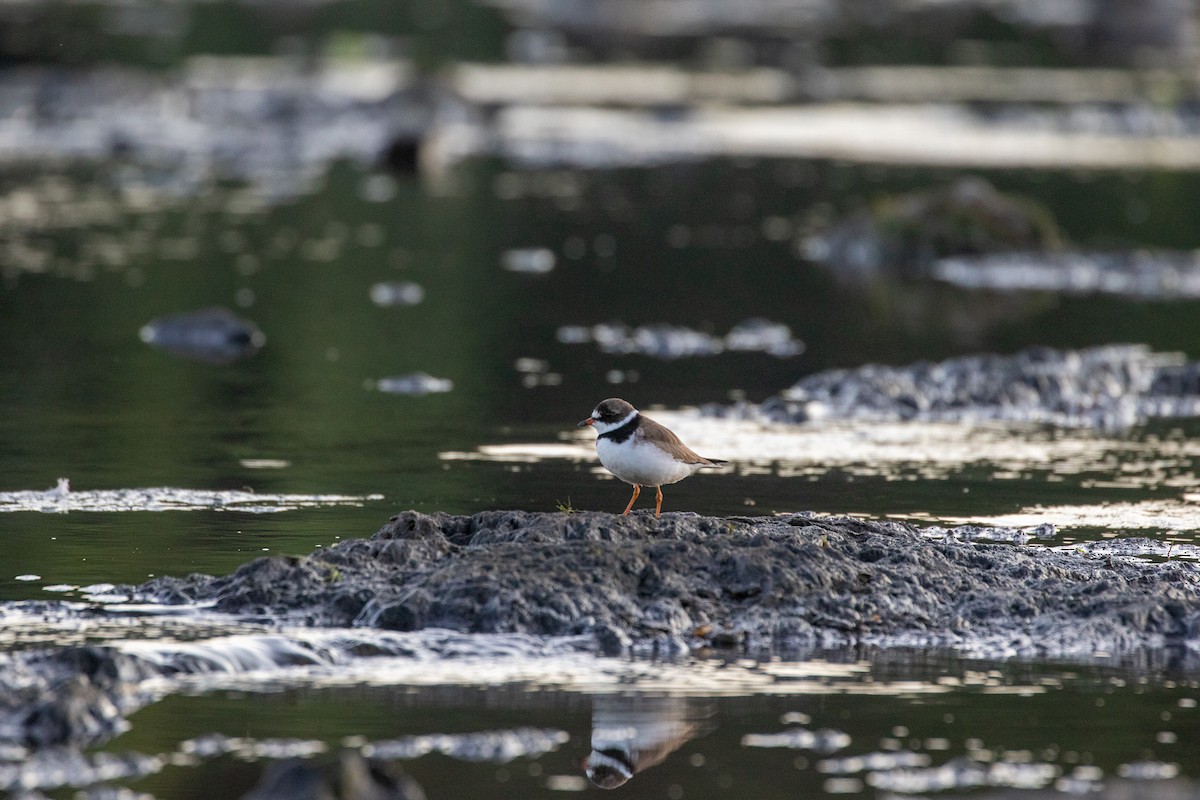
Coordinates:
[630,734]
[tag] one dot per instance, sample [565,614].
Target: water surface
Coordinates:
[505,255]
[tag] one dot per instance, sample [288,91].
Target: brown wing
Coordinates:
[664,437]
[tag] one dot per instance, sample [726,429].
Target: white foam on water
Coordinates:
[62,499]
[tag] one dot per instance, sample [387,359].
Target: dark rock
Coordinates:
[411,525]
[612,641]
[624,585]
[726,640]
[351,777]
[265,583]
[403,155]
[908,233]
[1101,387]
[642,583]
[215,335]
[68,695]
[408,612]
[277,136]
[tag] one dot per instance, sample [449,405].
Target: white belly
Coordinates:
[641,463]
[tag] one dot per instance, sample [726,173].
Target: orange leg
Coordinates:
[657,501]
[636,491]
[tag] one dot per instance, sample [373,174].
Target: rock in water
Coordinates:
[352,777]
[215,335]
[611,585]
[1114,386]
[755,582]
[906,233]
[413,383]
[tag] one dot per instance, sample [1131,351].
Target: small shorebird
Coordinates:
[639,451]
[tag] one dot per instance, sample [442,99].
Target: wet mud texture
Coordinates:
[686,582]
[682,583]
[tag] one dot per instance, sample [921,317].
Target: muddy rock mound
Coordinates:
[685,581]
[1107,387]
[607,585]
[52,697]
[906,234]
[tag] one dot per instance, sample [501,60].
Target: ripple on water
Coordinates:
[671,342]
[1166,514]
[209,650]
[63,499]
[496,746]
[964,773]
[58,767]
[196,651]
[822,741]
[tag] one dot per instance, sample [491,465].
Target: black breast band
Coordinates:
[618,435]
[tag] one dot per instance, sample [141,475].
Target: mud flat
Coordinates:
[441,593]
[684,582]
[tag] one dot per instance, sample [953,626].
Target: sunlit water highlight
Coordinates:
[63,499]
[931,451]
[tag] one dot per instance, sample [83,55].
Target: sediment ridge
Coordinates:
[685,581]
[596,584]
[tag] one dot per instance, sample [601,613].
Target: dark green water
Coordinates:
[82,398]
[1036,726]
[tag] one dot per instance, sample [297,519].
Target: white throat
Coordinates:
[605,427]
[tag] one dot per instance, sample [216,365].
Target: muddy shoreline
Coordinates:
[597,584]
[685,581]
